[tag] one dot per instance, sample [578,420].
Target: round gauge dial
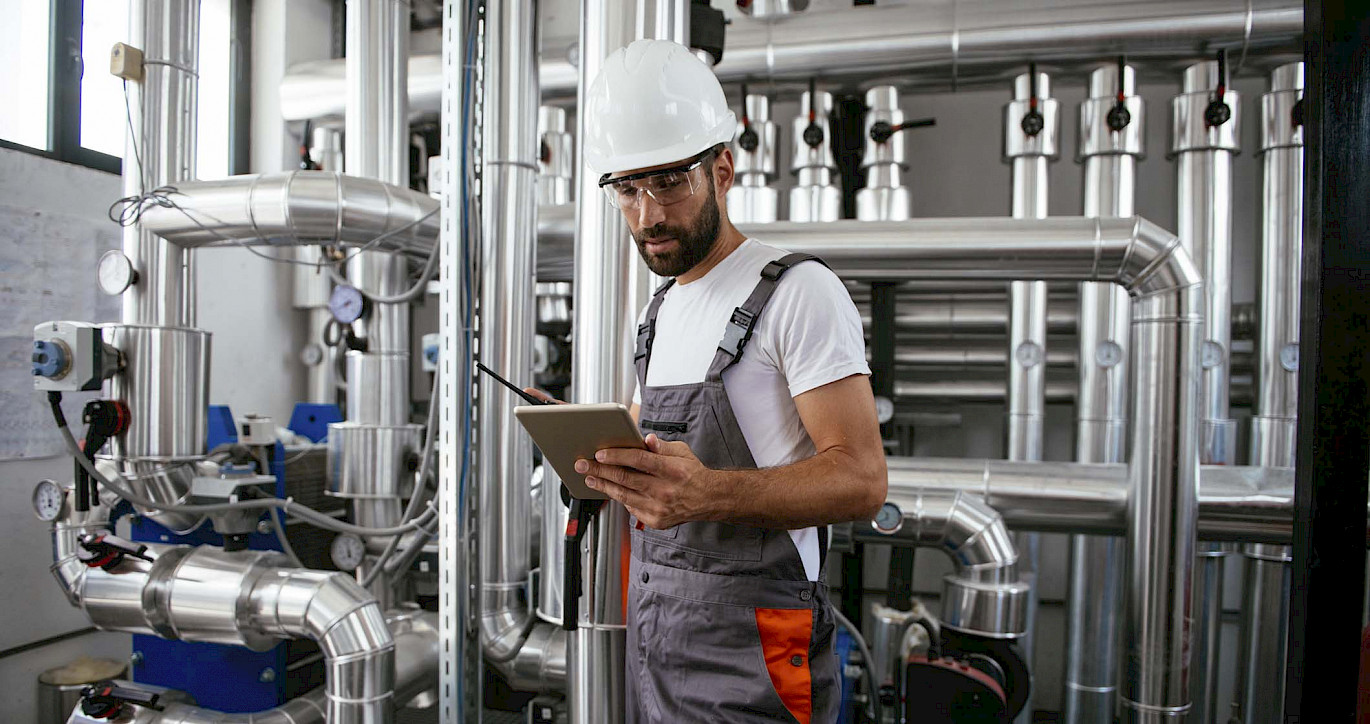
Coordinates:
[1289,357]
[115,272]
[889,518]
[884,410]
[1108,354]
[1028,354]
[311,354]
[1211,354]
[347,303]
[47,500]
[347,552]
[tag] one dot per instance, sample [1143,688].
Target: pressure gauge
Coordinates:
[347,303]
[115,273]
[1108,353]
[311,354]
[1289,357]
[884,409]
[347,552]
[1028,354]
[889,519]
[1211,354]
[47,500]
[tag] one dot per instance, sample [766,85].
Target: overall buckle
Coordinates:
[739,331]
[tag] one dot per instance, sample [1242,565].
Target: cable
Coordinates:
[288,549]
[403,297]
[872,684]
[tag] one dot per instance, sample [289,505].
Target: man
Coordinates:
[753,393]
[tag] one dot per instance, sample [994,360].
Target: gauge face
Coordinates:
[884,410]
[347,304]
[114,272]
[47,500]
[889,518]
[347,552]
[311,355]
[1289,357]
[1108,354]
[1028,354]
[1211,354]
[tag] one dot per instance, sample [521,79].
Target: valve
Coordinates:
[104,420]
[1218,112]
[582,511]
[813,133]
[107,699]
[748,140]
[1033,122]
[881,131]
[107,551]
[1118,116]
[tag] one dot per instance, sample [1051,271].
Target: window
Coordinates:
[62,102]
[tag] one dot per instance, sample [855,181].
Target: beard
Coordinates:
[694,241]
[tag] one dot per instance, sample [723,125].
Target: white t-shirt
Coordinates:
[808,335]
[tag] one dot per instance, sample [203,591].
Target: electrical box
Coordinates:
[71,357]
[126,61]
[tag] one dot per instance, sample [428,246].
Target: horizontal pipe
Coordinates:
[296,208]
[246,598]
[1235,503]
[956,42]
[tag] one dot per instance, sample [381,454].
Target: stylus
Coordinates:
[517,390]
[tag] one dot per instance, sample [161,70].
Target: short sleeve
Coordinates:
[813,330]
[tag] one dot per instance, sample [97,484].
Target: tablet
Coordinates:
[567,433]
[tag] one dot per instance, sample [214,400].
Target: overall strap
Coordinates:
[743,322]
[646,332]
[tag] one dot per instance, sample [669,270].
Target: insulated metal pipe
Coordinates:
[1031,128]
[1203,146]
[610,289]
[1167,301]
[1264,636]
[946,42]
[1094,594]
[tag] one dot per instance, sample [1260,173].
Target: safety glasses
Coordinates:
[666,186]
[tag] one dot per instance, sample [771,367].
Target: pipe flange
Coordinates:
[997,610]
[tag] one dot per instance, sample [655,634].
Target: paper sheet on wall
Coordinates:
[47,272]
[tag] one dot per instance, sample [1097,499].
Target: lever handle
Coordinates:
[881,131]
[582,511]
[106,699]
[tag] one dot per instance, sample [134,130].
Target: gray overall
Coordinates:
[723,623]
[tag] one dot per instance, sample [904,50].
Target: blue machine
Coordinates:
[227,678]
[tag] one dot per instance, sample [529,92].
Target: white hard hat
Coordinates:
[653,102]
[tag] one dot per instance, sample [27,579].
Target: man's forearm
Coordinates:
[833,486]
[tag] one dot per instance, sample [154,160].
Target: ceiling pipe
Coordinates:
[1167,301]
[956,42]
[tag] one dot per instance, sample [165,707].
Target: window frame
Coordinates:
[64,91]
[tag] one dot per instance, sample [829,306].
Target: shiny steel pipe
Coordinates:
[984,596]
[967,314]
[369,461]
[1259,695]
[1235,503]
[1025,418]
[297,208]
[247,598]
[1167,301]
[956,42]
[508,313]
[1095,590]
[1203,154]
[162,140]
[555,160]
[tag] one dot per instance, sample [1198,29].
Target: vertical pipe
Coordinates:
[507,306]
[611,287]
[161,147]
[377,129]
[1094,599]
[459,670]
[1031,127]
[1259,695]
[1203,149]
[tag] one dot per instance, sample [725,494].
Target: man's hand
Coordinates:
[664,485]
[535,392]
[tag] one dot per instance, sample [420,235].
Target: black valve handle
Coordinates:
[106,699]
[107,551]
[748,140]
[813,133]
[1033,122]
[573,585]
[881,131]
[1218,112]
[104,420]
[1118,116]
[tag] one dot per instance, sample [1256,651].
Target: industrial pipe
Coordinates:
[984,595]
[297,208]
[1259,695]
[246,598]
[956,42]
[1111,135]
[1167,299]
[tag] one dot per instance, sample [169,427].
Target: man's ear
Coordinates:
[724,171]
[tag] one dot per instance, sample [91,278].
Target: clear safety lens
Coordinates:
[667,188]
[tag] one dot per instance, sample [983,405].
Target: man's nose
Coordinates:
[649,212]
